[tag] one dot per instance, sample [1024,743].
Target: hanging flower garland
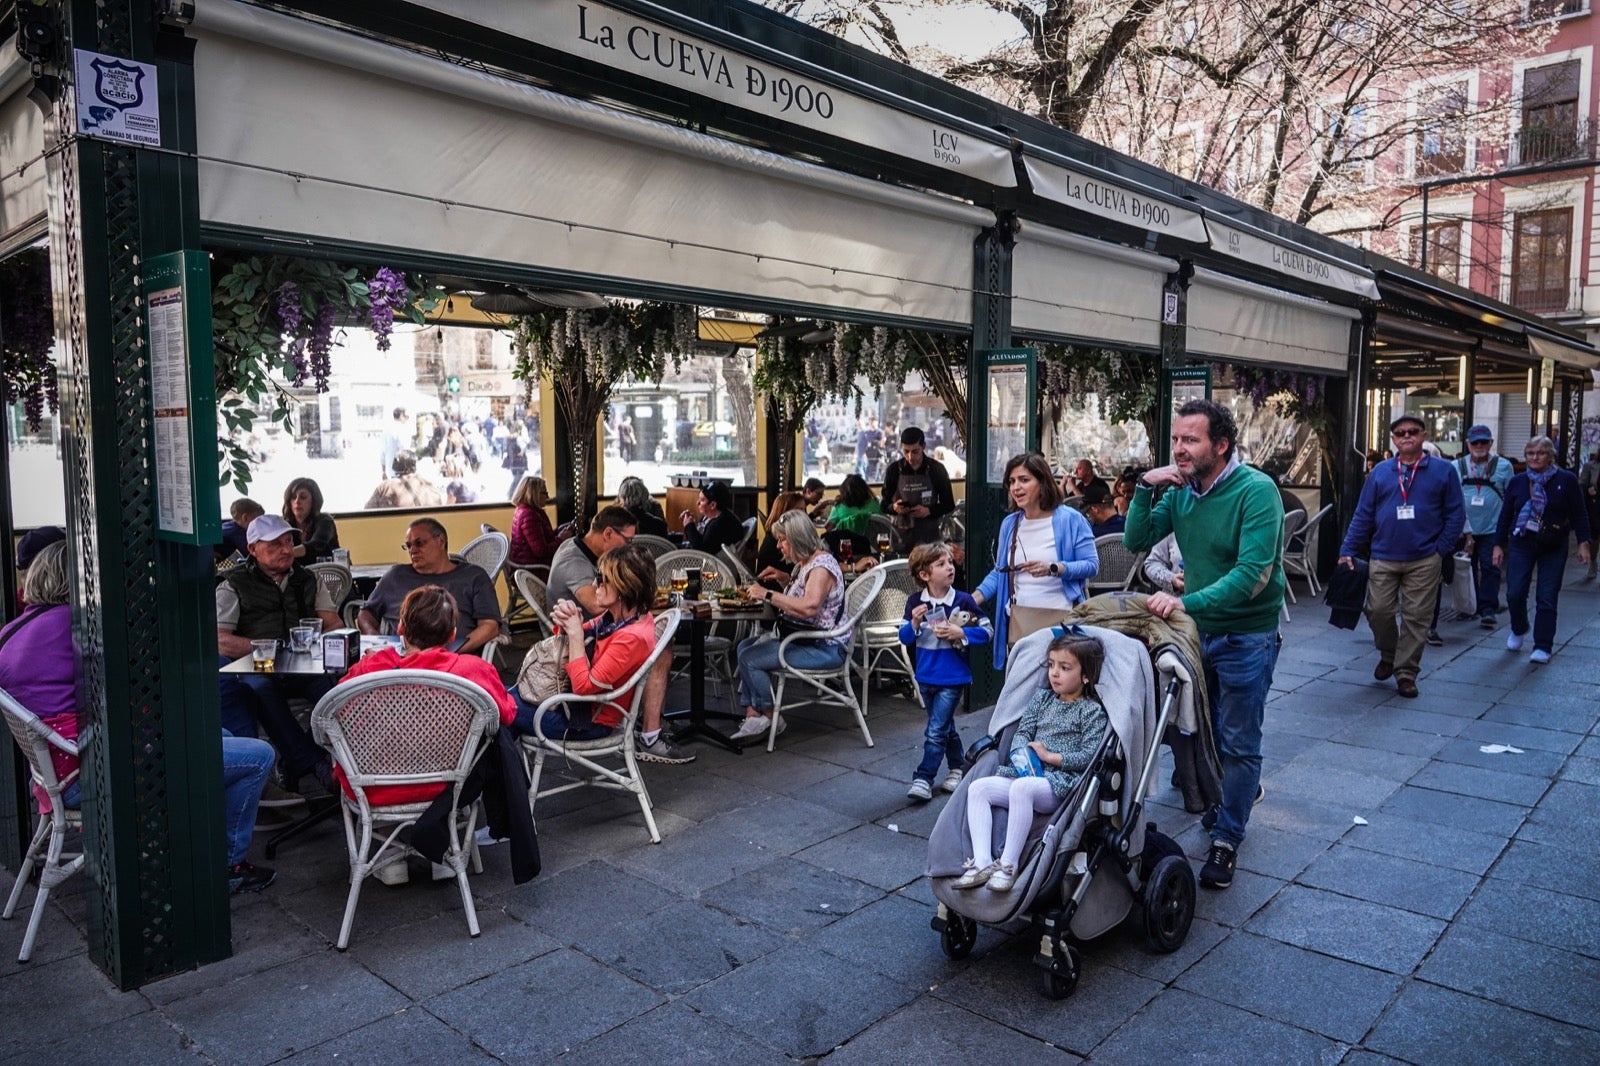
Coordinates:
[27,330]
[275,317]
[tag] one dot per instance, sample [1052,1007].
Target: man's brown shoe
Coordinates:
[1383,671]
[1407,688]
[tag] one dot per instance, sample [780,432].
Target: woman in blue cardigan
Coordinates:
[1045,555]
[1543,500]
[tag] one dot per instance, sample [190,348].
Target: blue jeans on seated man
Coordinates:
[555,724]
[758,661]
[941,742]
[1238,669]
[248,699]
[246,762]
[1522,559]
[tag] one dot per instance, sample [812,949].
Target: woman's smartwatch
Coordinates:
[769,595]
[1055,569]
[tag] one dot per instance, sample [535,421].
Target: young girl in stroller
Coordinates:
[1054,743]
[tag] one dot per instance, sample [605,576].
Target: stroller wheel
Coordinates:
[1061,977]
[1168,904]
[959,936]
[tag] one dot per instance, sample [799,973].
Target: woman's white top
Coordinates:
[1036,543]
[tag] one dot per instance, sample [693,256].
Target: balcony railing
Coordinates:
[1551,299]
[1541,143]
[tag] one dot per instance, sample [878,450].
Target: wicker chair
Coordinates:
[719,647]
[831,686]
[335,577]
[489,552]
[579,758]
[1301,561]
[535,594]
[881,525]
[656,546]
[1119,567]
[879,638]
[36,739]
[403,727]
[737,571]
[1293,522]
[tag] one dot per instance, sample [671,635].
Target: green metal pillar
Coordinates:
[143,613]
[991,328]
[1174,355]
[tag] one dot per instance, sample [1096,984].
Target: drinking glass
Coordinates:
[709,576]
[847,550]
[680,581]
[300,638]
[883,544]
[264,652]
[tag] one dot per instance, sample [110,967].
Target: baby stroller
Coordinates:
[1087,865]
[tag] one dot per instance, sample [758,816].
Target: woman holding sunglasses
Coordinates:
[1046,553]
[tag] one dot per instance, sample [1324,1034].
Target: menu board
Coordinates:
[1010,380]
[182,397]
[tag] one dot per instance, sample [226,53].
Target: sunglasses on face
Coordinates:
[1402,433]
[418,544]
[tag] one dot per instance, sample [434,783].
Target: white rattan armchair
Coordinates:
[878,642]
[36,741]
[535,594]
[580,758]
[403,727]
[830,686]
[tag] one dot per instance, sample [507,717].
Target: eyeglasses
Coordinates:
[418,544]
[1411,431]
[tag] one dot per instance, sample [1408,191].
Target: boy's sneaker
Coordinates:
[1218,870]
[952,781]
[1486,621]
[248,877]
[1003,878]
[920,789]
[661,750]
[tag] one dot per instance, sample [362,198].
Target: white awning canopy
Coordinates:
[1244,322]
[1565,352]
[397,150]
[22,178]
[1074,288]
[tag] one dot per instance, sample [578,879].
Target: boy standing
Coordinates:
[941,621]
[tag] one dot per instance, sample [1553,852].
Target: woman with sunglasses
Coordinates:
[1544,507]
[1046,554]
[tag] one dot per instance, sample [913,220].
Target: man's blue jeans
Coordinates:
[1238,674]
[246,762]
[758,661]
[1521,560]
[1487,575]
[251,698]
[941,742]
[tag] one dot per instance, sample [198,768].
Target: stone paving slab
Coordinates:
[928,1032]
[673,1035]
[1390,880]
[1182,1027]
[1270,978]
[1385,938]
[1518,973]
[400,1037]
[1433,1026]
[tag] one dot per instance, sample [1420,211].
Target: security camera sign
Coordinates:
[117,99]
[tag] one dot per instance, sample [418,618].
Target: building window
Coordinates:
[1349,130]
[1441,130]
[1551,128]
[1542,259]
[1539,10]
[1444,249]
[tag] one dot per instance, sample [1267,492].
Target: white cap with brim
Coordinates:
[267,527]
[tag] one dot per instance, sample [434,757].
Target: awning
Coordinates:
[1070,287]
[401,151]
[1237,320]
[1566,352]
[22,180]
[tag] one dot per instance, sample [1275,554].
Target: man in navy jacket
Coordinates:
[1409,516]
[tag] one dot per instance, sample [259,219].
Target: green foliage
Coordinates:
[1126,385]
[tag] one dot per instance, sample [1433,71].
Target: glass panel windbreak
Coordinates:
[36,471]
[444,396]
[1084,432]
[1283,447]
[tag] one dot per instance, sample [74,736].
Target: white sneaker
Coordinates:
[920,789]
[1539,656]
[952,781]
[753,726]
[485,838]
[395,872]
[1513,642]
[441,872]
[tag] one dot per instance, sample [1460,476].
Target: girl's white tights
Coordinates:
[1022,796]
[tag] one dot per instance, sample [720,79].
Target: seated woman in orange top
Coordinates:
[606,651]
[427,626]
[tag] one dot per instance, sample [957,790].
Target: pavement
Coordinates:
[784,917]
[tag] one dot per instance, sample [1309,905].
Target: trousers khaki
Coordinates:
[1407,589]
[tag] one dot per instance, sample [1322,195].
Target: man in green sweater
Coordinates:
[1228,523]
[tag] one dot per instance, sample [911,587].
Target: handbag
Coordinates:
[1551,535]
[785,626]
[1463,596]
[1028,620]
[543,672]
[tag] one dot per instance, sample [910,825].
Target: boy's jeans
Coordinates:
[941,742]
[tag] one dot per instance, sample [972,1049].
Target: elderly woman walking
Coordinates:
[1544,506]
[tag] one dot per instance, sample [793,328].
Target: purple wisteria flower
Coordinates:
[389,295]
